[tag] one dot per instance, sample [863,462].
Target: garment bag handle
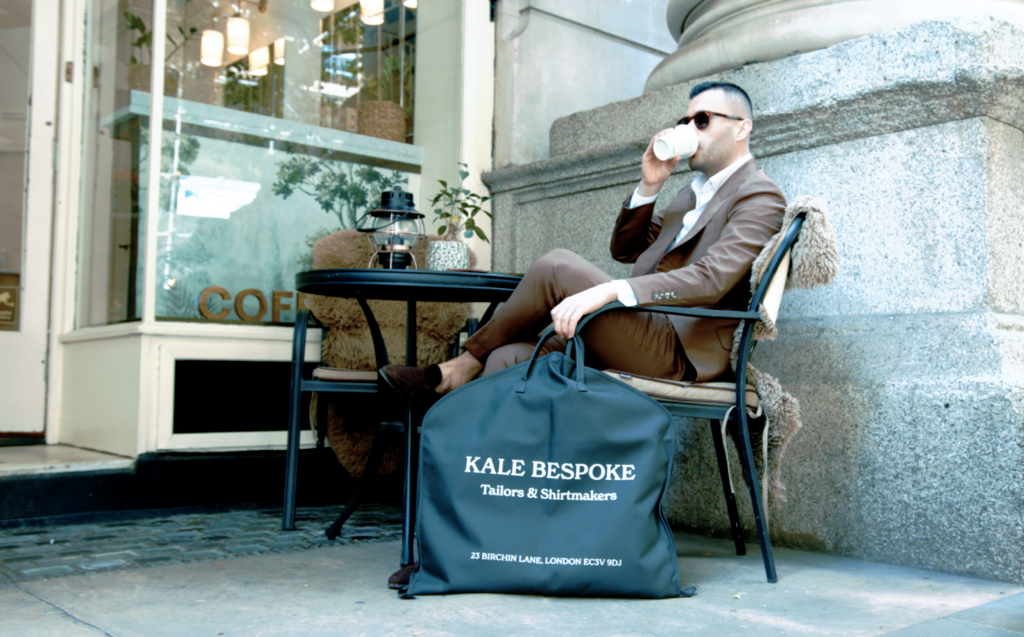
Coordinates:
[577,348]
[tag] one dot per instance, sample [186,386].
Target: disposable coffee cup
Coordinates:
[681,141]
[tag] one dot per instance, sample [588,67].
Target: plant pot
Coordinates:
[446,255]
[384,120]
[138,79]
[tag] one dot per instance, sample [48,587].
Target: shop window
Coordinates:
[15,46]
[273,116]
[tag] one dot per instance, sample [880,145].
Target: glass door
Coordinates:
[28,74]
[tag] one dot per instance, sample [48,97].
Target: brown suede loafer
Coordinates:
[400,578]
[415,384]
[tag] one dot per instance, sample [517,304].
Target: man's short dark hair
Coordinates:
[731,90]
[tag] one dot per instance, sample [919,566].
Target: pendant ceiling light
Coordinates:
[238,35]
[410,4]
[259,60]
[211,48]
[322,5]
[372,12]
[279,51]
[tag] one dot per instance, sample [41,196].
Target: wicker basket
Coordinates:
[385,120]
[138,79]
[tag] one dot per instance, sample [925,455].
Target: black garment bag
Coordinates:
[546,478]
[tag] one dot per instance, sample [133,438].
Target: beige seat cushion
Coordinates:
[684,392]
[343,375]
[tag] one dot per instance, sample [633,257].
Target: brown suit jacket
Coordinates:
[710,268]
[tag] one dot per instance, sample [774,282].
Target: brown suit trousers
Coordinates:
[710,268]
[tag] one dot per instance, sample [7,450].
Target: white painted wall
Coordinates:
[23,353]
[438,78]
[102,394]
[558,57]
[455,101]
[477,111]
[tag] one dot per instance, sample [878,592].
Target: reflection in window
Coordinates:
[345,65]
[260,93]
[15,46]
[213,197]
[115,136]
[367,82]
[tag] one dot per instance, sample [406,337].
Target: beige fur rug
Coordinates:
[347,345]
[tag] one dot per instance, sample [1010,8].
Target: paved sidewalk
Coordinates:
[34,552]
[341,591]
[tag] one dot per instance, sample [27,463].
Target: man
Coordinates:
[695,253]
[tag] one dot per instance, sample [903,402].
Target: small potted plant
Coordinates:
[455,207]
[139,71]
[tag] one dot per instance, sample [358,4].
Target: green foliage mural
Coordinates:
[178,297]
[348,191]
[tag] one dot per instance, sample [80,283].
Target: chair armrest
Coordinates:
[671,309]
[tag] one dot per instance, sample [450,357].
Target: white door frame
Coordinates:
[67,172]
[23,375]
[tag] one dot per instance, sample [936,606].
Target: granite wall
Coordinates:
[910,367]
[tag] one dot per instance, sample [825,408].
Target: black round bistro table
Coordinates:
[410,286]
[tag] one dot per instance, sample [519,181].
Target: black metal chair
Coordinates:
[331,380]
[392,414]
[725,401]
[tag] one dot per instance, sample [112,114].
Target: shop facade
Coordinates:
[181,158]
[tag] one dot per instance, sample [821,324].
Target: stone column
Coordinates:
[557,57]
[718,35]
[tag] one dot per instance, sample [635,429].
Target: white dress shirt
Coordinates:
[705,189]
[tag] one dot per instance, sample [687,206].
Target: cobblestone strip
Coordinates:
[42,552]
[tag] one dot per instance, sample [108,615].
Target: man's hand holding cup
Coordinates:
[663,154]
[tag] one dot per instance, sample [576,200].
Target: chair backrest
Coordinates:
[773,296]
[773,278]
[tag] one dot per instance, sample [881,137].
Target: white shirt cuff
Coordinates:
[625,293]
[636,200]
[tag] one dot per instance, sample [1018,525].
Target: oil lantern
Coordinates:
[395,229]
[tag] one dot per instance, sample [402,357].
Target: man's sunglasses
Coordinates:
[703,118]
